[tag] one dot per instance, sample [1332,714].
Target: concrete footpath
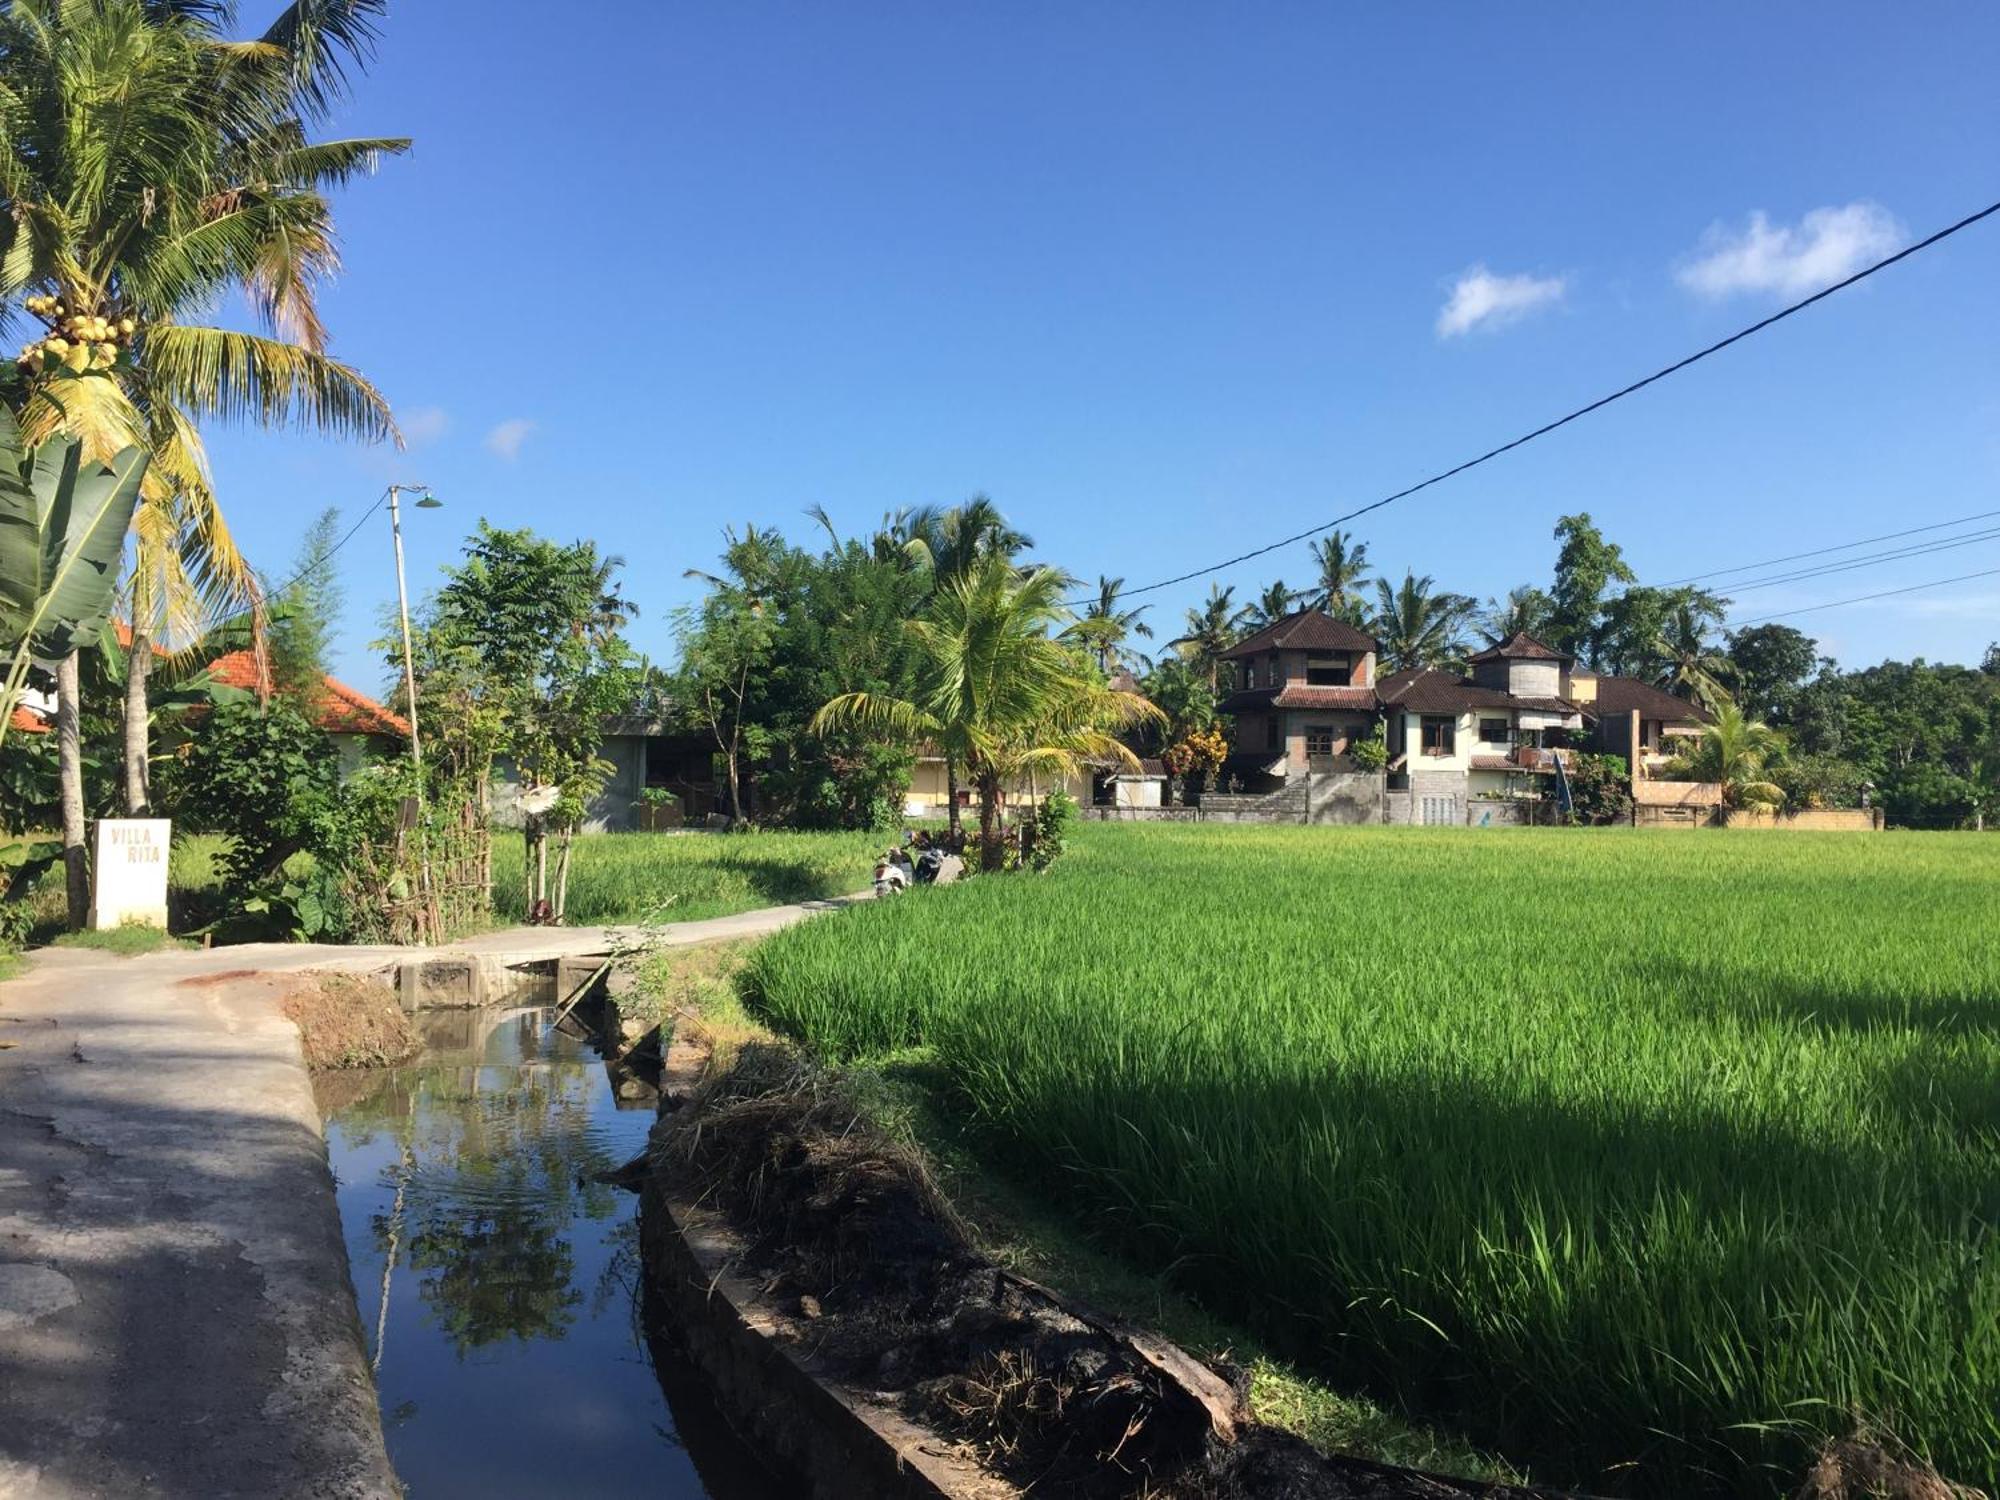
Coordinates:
[176,1318]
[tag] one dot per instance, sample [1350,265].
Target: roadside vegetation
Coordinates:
[618,878]
[1648,1161]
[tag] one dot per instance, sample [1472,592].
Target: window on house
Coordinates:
[1249,671]
[1328,671]
[1272,738]
[1493,731]
[1532,738]
[1319,739]
[1440,734]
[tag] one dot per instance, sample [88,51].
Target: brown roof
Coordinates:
[341,709]
[1621,695]
[1305,630]
[1429,690]
[1304,695]
[1122,681]
[1521,646]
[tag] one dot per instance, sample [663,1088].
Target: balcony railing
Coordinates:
[1534,758]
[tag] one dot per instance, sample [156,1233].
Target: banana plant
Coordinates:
[62,537]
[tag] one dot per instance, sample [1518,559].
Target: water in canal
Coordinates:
[499,1286]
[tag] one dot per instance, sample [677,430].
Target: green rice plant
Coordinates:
[1644,1159]
[628,877]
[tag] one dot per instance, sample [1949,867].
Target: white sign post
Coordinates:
[130,870]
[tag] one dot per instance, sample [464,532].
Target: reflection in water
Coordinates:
[500,1282]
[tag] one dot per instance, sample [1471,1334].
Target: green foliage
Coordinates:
[263,776]
[1600,788]
[1819,781]
[1927,735]
[302,619]
[1739,754]
[1370,752]
[782,630]
[1586,566]
[1550,1134]
[625,877]
[1418,625]
[1055,822]
[1771,664]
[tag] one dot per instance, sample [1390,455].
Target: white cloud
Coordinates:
[423,424]
[1479,299]
[505,440]
[1822,248]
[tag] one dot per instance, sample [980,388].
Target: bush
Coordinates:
[1600,789]
[1055,820]
[1372,753]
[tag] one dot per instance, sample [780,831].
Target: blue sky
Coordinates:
[1168,281]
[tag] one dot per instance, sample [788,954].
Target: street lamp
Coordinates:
[425,501]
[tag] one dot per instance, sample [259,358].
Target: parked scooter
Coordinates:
[893,873]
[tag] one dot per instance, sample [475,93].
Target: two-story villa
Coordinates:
[1304,690]
[1494,733]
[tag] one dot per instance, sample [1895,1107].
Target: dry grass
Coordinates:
[347,1021]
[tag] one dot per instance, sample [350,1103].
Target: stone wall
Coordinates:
[1346,797]
[1142,814]
[1820,819]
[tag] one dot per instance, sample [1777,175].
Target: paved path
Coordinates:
[176,1318]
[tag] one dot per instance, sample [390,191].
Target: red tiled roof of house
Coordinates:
[1305,630]
[1521,646]
[341,710]
[1304,695]
[26,721]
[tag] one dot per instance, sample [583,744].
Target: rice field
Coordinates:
[683,877]
[1644,1159]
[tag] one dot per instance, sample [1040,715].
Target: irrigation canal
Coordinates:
[499,1285]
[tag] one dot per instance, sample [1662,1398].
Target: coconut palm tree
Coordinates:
[948,542]
[1690,662]
[1342,563]
[1272,605]
[1525,611]
[1211,630]
[150,168]
[1416,625]
[997,692]
[1105,627]
[1736,753]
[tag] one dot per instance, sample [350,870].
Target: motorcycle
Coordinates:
[894,873]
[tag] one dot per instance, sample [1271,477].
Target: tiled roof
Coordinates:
[341,709]
[1521,646]
[1429,690]
[1148,766]
[26,721]
[1306,630]
[1304,695]
[1620,695]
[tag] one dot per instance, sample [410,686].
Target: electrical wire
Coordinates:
[312,567]
[1772,562]
[1806,609]
[1944,544]
[1582,411]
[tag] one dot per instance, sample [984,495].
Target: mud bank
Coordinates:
[847,1321]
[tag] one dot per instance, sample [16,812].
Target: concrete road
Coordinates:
[176,1318]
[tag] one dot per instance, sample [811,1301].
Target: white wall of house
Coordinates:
[1136,791]
[927,797]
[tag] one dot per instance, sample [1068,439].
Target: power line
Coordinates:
[312,567]
[1943,544]
[1772,562]
[1582,411]
[1806,609]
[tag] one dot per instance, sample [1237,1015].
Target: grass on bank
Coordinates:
[685,877]
[1647,1160]
[1018,1230]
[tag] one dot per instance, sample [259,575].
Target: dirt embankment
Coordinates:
[348,1021]
[864,1273]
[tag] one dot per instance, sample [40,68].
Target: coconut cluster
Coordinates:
[76,341]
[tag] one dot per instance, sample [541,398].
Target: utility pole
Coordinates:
[403,606]
[425,501]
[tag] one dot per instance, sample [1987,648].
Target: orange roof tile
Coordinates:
[342,709]
[27,721]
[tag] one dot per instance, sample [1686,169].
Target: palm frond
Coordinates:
[240,376]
